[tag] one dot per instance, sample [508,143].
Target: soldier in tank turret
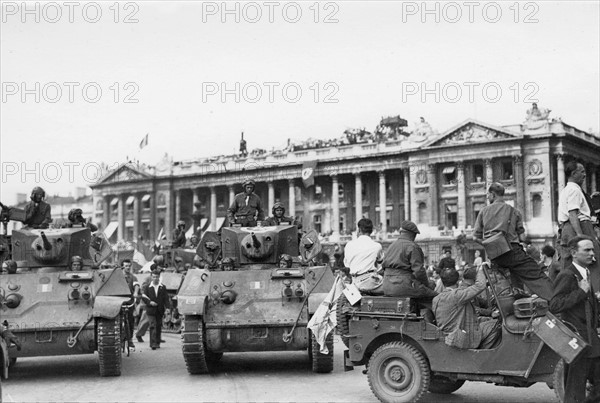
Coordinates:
[76,219]
[246,208]
[76,263]
[179,235]
[37,211]
[279,217]
[9,267]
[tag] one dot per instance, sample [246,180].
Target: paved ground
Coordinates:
[161,376]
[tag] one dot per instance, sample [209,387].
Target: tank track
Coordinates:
[109,346]
[321,363]
[194,351]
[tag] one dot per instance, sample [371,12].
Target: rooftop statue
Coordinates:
[536,118]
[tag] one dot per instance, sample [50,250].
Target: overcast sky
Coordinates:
[161,68]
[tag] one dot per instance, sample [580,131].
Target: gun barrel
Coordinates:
[47,244]
[255,241]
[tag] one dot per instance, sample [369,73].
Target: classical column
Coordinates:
[213,208]
[195,197]
[382,204]
[462,196]
[105,212]
[489,174]
[432,198]
[335,206]
[152,201]
[406,172]
[231,195]
[292,197]
[121,217]
[593,188]
[270,198]
[560,171]
[136,217]
[169,226]
[358,196]
[177,205]
[520,184]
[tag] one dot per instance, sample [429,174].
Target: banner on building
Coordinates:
[308,173]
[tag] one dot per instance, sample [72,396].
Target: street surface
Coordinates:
[161,376]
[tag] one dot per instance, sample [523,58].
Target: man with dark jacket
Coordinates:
[500,217]
[577,302]
[37,211]
[156,298]
[246,208]
[446,262]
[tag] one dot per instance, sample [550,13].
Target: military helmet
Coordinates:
[180,223]
[74,213]
[228,260]
[286,258]
[38,190]
[76,259]
[248,182]
[159,260]
[276,206]
[10,266]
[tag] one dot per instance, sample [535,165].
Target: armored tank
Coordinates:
[52,310]
[243,301]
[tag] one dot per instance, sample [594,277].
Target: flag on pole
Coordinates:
[144,141]
[324,319]
[308,173]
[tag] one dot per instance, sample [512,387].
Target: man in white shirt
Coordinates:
[363,256]
[575,216]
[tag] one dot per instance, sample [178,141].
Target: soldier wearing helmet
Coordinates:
[228,264]
[179,235]
[246,208]
[76,218]
[285,261]
[9,267]
[279,217]
[37,211]
[76,263]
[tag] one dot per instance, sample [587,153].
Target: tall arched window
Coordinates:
[422,212]
[536,205]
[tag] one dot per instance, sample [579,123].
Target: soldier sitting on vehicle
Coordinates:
[9,336]
[9,267]
[456,315]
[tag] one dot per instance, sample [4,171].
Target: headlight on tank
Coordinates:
[13,300]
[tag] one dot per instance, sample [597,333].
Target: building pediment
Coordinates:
[471,132]
[124,173]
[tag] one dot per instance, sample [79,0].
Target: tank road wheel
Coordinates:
[342,318]
[321,363]
[444,386]
[194,349]
[109,346]
[398,372]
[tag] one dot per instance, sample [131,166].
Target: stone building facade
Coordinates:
[438,181]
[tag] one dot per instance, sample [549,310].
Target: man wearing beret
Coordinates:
[405,274]
[156,298]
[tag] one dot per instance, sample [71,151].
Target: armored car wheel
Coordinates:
[342,318]
[321,363]
[398,372]
[559,379]
[109,346]
[197,358]
[444,386]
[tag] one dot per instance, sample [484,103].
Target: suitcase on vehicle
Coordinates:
[559,337]
[385,304]
[530,307]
